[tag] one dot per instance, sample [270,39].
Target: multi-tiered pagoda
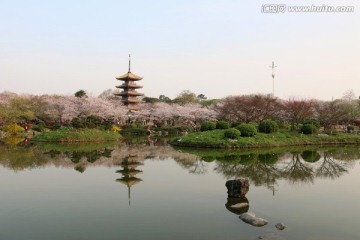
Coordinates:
[129,95]
[129,171]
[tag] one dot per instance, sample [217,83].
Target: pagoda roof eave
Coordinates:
[129,86]
[129,76]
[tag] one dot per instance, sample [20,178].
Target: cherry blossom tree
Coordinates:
[296,111]
[248,108]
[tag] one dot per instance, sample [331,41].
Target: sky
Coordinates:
[217,48]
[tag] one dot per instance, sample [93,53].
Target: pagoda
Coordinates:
[129,95]
[129,171]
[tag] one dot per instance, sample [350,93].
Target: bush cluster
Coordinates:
[247,129]
[207,126]
[222,125]
[268,126]
[91,122]
[13,128]
[232,133]
[308,129]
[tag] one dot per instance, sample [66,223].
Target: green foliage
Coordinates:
[314,122]
[115,128]
[186,97]
[80,94]
[207,126]
[222,125]
[93,121]
[170,130]
[232,133]
[247,130]
[268,126]
[39,127]
[84,135]
[208,102]
[150,100]
[77,123]
[308,129]
[268,158]
[13,128]
[163,98]
[350,129]
[310,156]
[17,110]
[134,131]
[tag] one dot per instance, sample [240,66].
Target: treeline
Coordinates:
[187,109]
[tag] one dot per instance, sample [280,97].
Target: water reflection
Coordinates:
[262,167]
[129,172]
[266,167]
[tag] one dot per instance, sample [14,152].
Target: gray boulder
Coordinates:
[251,219]
[237,188]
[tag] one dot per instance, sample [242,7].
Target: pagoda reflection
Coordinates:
[129,171]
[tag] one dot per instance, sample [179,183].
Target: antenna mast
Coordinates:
[273,77]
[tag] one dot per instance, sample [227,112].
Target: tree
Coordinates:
[18,110]
[201,97]
[164,98]
[329,113]
[296,111]
[80,94]
[248,108]
[150,100]
[109,94]
[186,97]
[351,106]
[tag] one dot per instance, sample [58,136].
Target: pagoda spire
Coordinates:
[129,63]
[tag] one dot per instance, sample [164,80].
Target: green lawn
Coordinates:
[216,139]
[76,135]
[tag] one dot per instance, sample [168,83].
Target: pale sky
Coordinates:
[217,48]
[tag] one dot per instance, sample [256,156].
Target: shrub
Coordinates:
[207,126]
[314,122]
[247,130]
[13,128]
[232,133]
[77,123]
[268,126]
[93,121]
[115,128]
[134,131]
[308,129]
[39,127]
[350,129]
[222,125]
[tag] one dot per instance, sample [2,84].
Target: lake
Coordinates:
[150,191]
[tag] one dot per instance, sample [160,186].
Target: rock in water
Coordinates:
[280,226]
[240,205]
[237,188]
[251,219]
[237,205]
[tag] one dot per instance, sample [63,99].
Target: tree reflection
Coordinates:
[259,172]
[331,168]
[297,170]
[296,167]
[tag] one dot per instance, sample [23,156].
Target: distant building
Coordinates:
[129,95]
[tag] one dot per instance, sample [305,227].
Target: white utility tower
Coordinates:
[273,77]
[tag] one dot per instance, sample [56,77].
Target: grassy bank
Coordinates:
[66,135]
[216,139]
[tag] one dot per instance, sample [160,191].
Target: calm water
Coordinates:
[157,192]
